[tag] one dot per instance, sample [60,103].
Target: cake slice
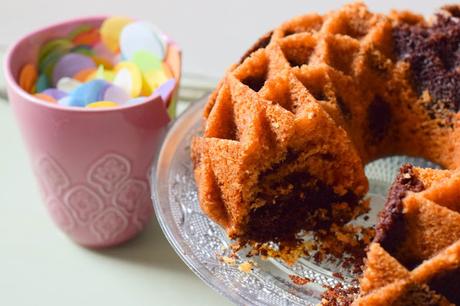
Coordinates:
[266,170]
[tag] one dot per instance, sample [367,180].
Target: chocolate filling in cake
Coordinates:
[417,295]
[447,285]
[390,230]
[307,206]
[434,55]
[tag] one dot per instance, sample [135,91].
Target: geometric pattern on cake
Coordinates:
[288,129]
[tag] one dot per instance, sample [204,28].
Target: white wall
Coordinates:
[212,33]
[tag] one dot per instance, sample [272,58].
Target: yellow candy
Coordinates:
[129,77]
[101,74]
[102,61]
[102,104]
[154,79]
[110,31]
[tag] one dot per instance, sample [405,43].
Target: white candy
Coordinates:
[67,84]
[141,36]
[123,80]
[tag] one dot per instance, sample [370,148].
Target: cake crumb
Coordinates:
[228,260]
[298,280]
[339,296]
[338,275]
[245,267]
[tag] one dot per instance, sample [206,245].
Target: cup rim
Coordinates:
[12,82]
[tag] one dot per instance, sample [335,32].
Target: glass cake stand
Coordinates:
[199,241]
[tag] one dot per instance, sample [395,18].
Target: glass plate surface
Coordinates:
[198,240]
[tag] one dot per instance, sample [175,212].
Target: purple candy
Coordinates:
[116,94]
[55,93]
[165,89]
[102,91]
[70,64]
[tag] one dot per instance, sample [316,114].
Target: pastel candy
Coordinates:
[154,79]
[173,60]
[88,38]
[119,63]
[54,93]
[103,74]
[101,50]
[28,78]
[45,97]
[87,93]
[110,31]
[116,93]
[67,84]
[129,77]
[102,104]
[42,83]
[53,45]
[138,36]
[146,61]
[51,53]
[165,90]
[84,74]
[84,50]
[162,37]
[154,29]
[65,101]
[167,71]
[102,61]
[70,64]
[78,30]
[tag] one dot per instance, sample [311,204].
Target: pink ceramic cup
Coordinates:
[92,164]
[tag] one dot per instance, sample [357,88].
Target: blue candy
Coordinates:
[87,93]
[65,101]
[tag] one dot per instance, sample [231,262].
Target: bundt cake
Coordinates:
[290,127]
[415,256]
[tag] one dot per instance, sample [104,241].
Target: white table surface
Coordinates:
[38,264]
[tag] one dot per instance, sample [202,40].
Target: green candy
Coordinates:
[50,54]
[172,108]
[46,66]
[78,30]
[146,61]
[42,83]
[83,50]
[53,45]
